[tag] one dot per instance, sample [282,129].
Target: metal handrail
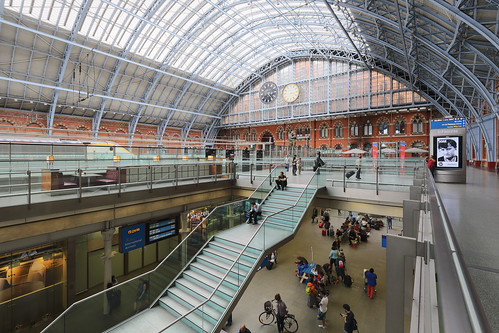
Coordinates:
[451,268]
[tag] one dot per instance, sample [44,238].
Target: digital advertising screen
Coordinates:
[447,150]
[160,230]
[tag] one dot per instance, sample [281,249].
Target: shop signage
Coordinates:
[132,237]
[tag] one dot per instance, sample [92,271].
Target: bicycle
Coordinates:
[269,317]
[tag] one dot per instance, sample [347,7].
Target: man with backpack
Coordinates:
[349,318]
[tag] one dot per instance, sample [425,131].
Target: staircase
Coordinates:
[213,266]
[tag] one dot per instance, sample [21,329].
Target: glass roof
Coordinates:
[206,38]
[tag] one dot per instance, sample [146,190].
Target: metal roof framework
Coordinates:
[181,63]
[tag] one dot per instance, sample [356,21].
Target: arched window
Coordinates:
[354,129]
[280,134]
[307,130]
[368,128]
[299,130]
[400,126]
[338,131]
[383,127]
[253,135]
[324,131]
[246,136]
[417,125]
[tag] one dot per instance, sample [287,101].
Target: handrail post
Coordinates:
[344,178]
[377,180]
[251,173]
[79,184]
[197,173]
[150,177]
[119,182]
[270,175]
[176,175]
[29,187]
[216,171]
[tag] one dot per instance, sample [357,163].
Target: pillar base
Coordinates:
[477,163]
[491,166]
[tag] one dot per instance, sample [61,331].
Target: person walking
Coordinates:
[321,315]
[371,282]
[243,329]
[357,165]
[286,163]
[299,165]
[349,319]
[294,165]
[281,311]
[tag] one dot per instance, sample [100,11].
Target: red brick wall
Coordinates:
[34,124]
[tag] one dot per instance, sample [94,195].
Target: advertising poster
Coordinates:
[375,150]
[402,149]
[448,152]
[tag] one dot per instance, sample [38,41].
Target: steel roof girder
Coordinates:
[444,55]
[117,65]
[472,23]
[80,17]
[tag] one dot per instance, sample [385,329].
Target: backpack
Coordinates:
[340,264]
[355,327]
[347,280]
[308,290]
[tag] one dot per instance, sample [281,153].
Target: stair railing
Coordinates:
[238,259]
[59,324]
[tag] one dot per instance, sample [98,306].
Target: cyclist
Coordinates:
[281,311]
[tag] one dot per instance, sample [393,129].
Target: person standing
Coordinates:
[333,255]
[321,315]
[389,221]
[349,319]
[294,165]
[286,163]
[431,163]
[357,165]
[371,282]
[281,311]
[299,165]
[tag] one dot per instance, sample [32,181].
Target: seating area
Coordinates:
[111,176]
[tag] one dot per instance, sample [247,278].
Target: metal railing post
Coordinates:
[251,173]
[150,177]
[176,175]
[79,184]
[119,182]
[29,187]
[377,180]
[197,173]
[344,178]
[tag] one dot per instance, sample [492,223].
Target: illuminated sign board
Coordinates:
[132,237]
[448,123]
[161,230]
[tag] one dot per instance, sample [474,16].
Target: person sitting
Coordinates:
[352,236]
[253,213]
[363,235]
[281,181]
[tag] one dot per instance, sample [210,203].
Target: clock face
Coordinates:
[291,92]
[268,92]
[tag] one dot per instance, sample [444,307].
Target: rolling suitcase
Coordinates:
[323,232]
[349,174]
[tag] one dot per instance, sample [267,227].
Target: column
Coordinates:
[107,236]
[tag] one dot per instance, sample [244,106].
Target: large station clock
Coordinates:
[268,92]
[291,92]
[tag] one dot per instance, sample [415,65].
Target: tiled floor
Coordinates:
[281,279]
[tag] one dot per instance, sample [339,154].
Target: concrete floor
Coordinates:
[281,279]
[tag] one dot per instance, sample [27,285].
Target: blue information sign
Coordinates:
[160,230]
[132,237]
[448,123]
[383,241]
